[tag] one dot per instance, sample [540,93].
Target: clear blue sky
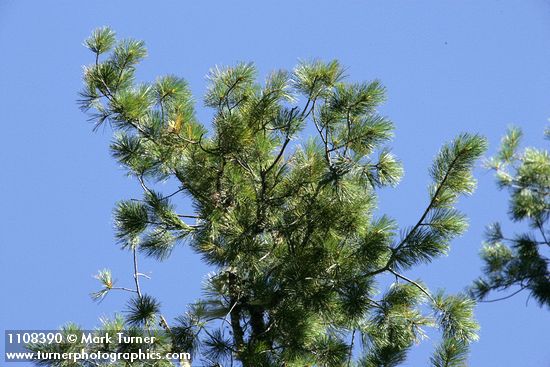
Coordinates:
[449,66]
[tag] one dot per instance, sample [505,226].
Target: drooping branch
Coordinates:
[503,298]
[422,289]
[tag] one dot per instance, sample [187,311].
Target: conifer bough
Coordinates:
[519,262]
[283,185]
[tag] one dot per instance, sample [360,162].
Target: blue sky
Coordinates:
[449,66]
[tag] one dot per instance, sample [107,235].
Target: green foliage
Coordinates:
[105,278]
[131,219]
[452,169]
[101,40]
[520,262]
[287,220]
[63,347]
[450,353]
[451,173]
[455,316]
[395,325]
[142,311]
[509,146]
[108,349]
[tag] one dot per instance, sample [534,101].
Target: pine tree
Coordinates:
[287,219]
[519,262]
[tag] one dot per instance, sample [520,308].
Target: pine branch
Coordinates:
[136,272]
[124,289]
[422,289]
[426,211]
[283,147]
[324,139]
[502,298]
[350,353]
